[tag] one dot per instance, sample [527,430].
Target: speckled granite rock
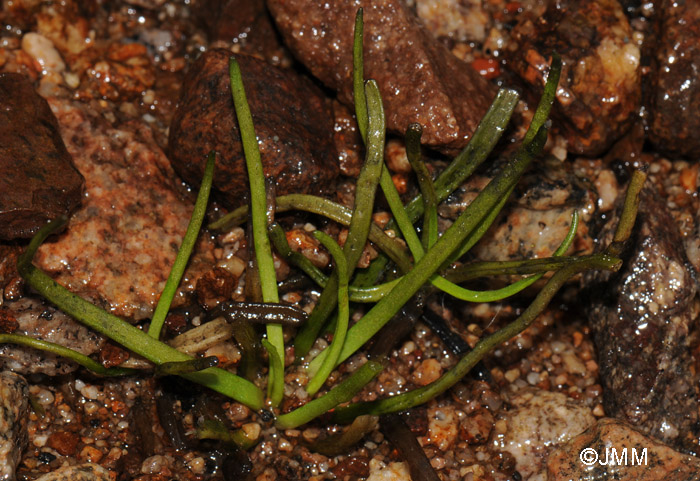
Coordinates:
[14,407]
[38,180]
[83,472]
[119,246]
[660,464]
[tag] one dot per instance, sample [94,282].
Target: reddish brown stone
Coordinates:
[293,123]
[111,355]
[244,23]
[8,321]
[419,78]
[215,287]
[38,180]
[64,442]
[352,466]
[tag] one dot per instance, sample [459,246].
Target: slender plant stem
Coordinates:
[425,183]
[341,325]
[629,212]
[358,75]
[419,396]
[357,294]
[475,270]
[258,206]
[183,254]
[276,364]
[62,351]
[485,138]
[212,429]
[341,393]
[365,191]
[385,309]
[329,209]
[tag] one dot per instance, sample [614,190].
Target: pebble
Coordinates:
[43,50]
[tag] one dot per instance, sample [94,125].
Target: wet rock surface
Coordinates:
[293,123]
[538,218]
[419,79]
[38,180]
[660,463]
[540,421]
[599,91]
[641,318]
[14,409]
[676,93]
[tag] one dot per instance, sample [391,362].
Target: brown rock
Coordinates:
[8,320]
[600,88]
[8,264]
[660,463]
[38,180]
[419,79]
[293,123]
[348,141]
[676,94]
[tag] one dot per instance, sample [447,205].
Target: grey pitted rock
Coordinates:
[641,318]
[293,123]
[419,79]
[38,180]
[14,404]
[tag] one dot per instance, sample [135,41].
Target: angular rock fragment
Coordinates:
[419,79]
[641,318]
[675,95]
[82,472]
[539,421]
[599,91]
[14,409]
[636,457]
[38,180]
[293,123]
[40,320]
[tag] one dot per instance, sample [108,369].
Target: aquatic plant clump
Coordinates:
[422,267]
